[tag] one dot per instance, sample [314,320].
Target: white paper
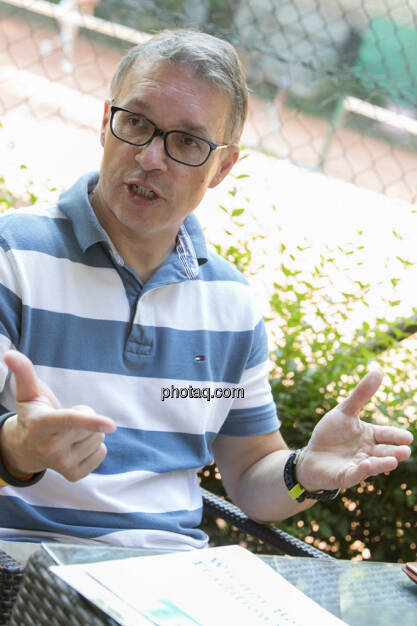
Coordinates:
[225,585]
[106,600]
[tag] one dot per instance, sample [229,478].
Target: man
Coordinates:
[114,304]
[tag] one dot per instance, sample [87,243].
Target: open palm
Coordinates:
[343,450]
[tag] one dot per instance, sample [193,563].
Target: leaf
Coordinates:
[404,261]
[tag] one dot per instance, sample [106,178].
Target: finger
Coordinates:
[28,385]
[80,435]
[401,453]
[390,434]
[361,394]
[67,420]
[84,408]
[72,455]
[86,446]
[75,437]
[369,467]
[26,380]
[88,465]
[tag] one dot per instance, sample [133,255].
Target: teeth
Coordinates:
[138,189]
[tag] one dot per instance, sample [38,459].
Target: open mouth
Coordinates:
[138,190]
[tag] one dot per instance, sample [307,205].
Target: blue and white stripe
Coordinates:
[97,336]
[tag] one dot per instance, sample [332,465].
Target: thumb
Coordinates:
[362,393]
[28,385]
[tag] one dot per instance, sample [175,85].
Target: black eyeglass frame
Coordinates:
[164,134]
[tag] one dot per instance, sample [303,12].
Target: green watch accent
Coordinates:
[296,491]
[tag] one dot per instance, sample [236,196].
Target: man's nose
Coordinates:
[152,156]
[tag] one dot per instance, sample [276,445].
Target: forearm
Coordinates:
[261,491]
[342,451]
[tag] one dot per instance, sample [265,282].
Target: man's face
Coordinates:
[141,191]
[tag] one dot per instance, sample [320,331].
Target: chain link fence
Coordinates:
[333,82]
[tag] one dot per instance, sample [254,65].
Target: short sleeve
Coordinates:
[254,412]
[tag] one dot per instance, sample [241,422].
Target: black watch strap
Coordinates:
[296,491]
[5,477]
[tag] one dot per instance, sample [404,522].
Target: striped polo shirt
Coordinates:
[164,360]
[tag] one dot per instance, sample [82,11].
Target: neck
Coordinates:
[145,252]
[143,256]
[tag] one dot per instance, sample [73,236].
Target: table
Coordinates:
[360,594]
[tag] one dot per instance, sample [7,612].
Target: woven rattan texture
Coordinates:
[44,599]
[283,542]
[11,573]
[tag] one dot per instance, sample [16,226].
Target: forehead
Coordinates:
[171,94]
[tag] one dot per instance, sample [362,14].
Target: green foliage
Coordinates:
[322,348]
[9,200]
[6,198]
[319,355]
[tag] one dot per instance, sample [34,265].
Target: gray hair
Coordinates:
[211,58]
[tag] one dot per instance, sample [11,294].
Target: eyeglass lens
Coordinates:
[181,146]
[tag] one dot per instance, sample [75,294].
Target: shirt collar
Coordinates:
[75,205]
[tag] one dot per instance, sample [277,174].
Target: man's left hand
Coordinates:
[343,450]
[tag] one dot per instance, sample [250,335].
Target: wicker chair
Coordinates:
[280,540]
[11,574]
[45,600]
[42,598]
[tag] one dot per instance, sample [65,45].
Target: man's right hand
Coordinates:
[43,435]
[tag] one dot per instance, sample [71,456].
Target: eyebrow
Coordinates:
[185,125]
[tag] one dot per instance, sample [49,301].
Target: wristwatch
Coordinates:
[297,491]
[8,479]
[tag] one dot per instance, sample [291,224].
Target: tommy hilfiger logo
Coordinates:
[200,357]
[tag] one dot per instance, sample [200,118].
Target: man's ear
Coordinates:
[105,121]
[227,161]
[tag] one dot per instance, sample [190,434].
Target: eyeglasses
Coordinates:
[182,147]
